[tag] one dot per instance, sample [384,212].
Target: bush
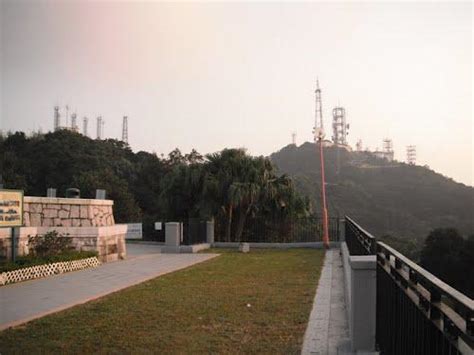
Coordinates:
[49,244]
[32,260]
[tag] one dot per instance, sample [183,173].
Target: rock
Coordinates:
[50,213]
[63,214]
[84,212]
[74,212]
[36,208]
[35,219]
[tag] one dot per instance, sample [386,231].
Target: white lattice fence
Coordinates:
[35,272]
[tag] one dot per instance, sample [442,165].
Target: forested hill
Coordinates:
[387,198]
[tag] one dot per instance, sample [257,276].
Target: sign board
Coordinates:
[11,208]
[158,226]
[134,231]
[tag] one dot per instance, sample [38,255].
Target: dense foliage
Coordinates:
[449,256]
[230,186]
[399,201]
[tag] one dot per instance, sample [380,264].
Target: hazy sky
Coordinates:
[215,75]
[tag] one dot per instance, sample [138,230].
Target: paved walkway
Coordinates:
[328,329]
[28,300]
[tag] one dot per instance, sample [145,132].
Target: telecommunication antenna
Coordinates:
[125,129]
[57,118]
[293,138]
[339,126]
[318,132]
[74,126]
[67,116]
[411,154]
[359,145]
[85,121]
[99,127]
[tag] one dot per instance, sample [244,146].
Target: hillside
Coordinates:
[387,198]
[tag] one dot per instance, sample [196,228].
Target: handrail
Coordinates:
[449,310]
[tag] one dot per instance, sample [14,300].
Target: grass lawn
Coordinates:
[236,303]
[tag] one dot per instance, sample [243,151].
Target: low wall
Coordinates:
[67,212]
[107,241]
[314,245]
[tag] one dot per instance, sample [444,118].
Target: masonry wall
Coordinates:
[67,212]
[89,223]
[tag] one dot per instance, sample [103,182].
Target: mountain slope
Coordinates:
[387,198]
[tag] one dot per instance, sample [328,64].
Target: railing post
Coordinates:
[363,299]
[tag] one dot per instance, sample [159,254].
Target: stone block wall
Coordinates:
[67,212]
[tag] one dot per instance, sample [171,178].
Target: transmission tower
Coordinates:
[57,118]
[85,121]
[99,127]
[74,126]
[293,138]
[318,129]
[125,129]
[411,154]
[387,148]
[339,126]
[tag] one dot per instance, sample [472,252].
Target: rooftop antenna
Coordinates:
[125,129]
[293,138]
[85,121]
[318,132]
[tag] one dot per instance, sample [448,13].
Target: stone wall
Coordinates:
[67,212]
[89,223]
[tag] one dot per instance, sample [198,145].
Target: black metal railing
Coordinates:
[194,232]
[416,313]
[358,240]
[282,230]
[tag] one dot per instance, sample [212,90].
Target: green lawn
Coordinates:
[236,303]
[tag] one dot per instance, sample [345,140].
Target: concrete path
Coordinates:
[328,329]
[28,300]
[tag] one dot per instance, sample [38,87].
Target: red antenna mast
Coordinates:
[318,139]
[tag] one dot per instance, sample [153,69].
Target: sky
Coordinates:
[215,75]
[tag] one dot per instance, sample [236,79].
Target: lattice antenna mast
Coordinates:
[99,127]
[411,154]
[57,118]
[339,126]
[318,132]
[74,126]
[318,114]
[293,138]
[125,129]
[85,122]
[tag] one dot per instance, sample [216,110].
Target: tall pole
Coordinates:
[323,198]
[318,139]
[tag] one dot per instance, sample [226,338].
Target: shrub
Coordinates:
[49,244]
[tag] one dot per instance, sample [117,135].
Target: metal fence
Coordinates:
[194,231]
[282,230]
[416,313]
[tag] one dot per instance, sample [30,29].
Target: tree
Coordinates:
[448,255]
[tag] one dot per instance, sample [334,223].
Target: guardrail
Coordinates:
[416,313]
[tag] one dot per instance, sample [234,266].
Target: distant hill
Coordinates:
[404,201]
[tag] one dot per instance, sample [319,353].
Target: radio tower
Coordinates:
[387,148]
[57,118]
[74,126]
[99,127]
[125,129]
[85,121]
[339,126]
[411,154]
[318,132]
[293,138]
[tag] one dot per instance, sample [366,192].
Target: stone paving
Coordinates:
[328,329]
[28,300]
